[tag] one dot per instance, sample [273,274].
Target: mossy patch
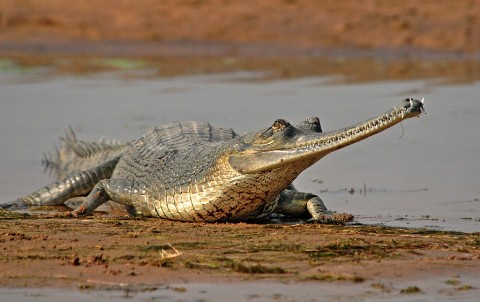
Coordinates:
[233,265]
[334,277]
[411,290]
[4,214]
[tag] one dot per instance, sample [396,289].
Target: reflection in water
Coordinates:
[433,289]
[345,66]
[390,171]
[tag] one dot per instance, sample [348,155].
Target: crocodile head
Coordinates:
[283,144]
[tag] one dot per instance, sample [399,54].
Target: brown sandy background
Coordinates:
[435,25]
[359,40]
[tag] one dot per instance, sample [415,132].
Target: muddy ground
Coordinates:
[105,251]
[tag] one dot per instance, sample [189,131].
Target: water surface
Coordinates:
[424,175]
[433,289]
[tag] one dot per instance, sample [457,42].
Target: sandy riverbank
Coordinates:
[435,25]
[100,252]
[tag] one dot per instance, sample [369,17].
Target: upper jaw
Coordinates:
[313,146]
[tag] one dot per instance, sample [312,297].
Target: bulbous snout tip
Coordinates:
[413,106]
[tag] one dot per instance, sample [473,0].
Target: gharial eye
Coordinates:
[280,124]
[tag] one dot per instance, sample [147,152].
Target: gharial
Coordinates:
[192,171]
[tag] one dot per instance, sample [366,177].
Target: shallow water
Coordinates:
[433,289]
[424,175]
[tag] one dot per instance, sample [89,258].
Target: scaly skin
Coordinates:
[195,172]
[73,155]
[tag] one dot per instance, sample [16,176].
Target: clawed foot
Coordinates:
[79,212]
[320,214]
[332,218]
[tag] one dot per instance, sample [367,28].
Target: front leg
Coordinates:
[96,198]
[293,203]
[122,193]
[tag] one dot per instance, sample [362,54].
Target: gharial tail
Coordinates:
[76,184]
[77,166]
[72,155]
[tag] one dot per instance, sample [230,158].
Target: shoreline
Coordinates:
[340,65]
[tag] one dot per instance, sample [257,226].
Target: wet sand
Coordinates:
[141,255]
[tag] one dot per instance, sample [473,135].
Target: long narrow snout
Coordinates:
[311,147]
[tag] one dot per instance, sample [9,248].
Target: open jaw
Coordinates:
[310,147]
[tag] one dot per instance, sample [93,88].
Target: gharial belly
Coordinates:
[202,207]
